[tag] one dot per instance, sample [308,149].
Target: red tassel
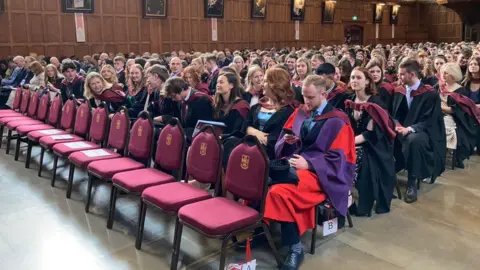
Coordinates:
[248,255]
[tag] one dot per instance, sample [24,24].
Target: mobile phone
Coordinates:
[288,131]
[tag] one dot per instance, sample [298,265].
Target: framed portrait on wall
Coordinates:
[298,10]
[2,6]
[259,9]
[154,8]
[78,6]
[214,8]
[328,12]
[395,9]
[378,13]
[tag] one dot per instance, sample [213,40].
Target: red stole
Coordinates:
[421,90]
[242,107]
[466,104]
[337,90]
[388,87]
[193,96]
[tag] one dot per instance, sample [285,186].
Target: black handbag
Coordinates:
[281,173]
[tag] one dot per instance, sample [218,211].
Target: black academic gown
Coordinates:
[376,174]
[424,150]
[337,97]
[273,126]
[235,118]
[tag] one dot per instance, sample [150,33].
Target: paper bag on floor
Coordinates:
[249,264]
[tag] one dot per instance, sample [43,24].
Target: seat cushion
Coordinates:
[66,148]
[81,159]
[5,120]
[49,141]
[173,196]
[218,216]
[9,113]
[106,169]
[23,130]
[138,180]
[37,134]
[23,122]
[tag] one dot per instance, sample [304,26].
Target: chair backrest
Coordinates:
[25,100]
[99,124]
[247,170]
[18,99]
[204,158]
[119,128]
[141,138]
[82,119]
[33,106]
[55,111]
[68,115]
[170,152]
[42,110]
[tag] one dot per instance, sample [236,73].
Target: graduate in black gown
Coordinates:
[266,119]
[422,132]
[384,89]
[374,137]
[336,95]
[472,84]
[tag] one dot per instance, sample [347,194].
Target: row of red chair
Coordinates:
[125,160]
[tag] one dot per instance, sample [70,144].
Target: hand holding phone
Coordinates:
[288,131]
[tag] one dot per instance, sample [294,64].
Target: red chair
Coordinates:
[115,148]
[139,148]
[97,136]
[204,163]
[169,157]
[23,111]
[42,114]
[16,105]
[67,124]
[35,132]
[246,178]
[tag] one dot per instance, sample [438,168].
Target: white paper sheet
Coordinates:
[77,145]
[96,153]
[62,137]
[51,131]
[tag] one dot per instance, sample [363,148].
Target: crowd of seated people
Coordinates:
[342,116]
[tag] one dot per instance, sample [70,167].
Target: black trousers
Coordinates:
[290,233]
[4,94]
[419,156]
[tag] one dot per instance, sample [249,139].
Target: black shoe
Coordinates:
[433,179]
[411,195]
[293,261]
[459,164]
[257,241]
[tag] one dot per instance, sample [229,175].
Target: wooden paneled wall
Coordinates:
[117,26]
[444,25]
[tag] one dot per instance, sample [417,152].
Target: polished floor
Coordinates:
[42,230]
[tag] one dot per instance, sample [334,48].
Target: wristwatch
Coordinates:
[411,130]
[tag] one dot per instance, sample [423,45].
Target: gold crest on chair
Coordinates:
[169,139]
[67,109]
[98,118]
[118,124]
[203,149]
[140,131]
[81,113]
[245,162]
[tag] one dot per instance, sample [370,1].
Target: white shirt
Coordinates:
[409,91]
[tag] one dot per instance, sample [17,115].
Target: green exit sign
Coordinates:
[354,18]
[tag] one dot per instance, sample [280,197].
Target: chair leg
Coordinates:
[419,182]
[113,201]
[54,172]
[9,139]
[223,254]
[349,218]
[29,154]
[141,225]
[453,160]
[314,233]
[42,154]
[177,239]
[399,194]
[89,193]
[268,234]
[1,135]
[17,149]
[70,180]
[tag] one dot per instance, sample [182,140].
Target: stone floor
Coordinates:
[42,230]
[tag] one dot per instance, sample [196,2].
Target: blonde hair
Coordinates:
[55,77]
[452,69]
[251,72]
[114,78]
[306,62]
[87,91]
[316,80]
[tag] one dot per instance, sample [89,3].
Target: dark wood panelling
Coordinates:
[118,26]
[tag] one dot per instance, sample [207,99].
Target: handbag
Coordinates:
[281,173]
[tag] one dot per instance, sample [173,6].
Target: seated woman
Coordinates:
[303,68]
[428,73]
[254,85]
[438,62]
[384,89]
[230,108]
[472,84]
[374,136]
[38,80]
[193,80]
[97,89]
[459,122]
[110,75]
[53,80]
[266,119]
[137,99]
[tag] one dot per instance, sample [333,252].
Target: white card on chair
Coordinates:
[96,153]
[62,137]
[77,145]
[330,226]
[51,131]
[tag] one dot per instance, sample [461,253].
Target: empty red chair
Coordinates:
[246,177]
[35,132]
[115,148]
[81,125]
[42,114]
[16,105]
[139,149]
[97,137]
[169,157]
[23,111]
[204,163]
